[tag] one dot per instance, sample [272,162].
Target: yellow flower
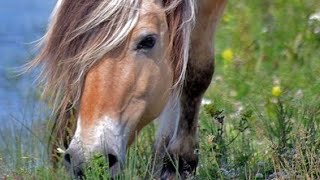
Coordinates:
[276,91]
[210,139]
[226,18]
[227,55]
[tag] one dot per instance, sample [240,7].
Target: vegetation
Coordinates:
[261,119]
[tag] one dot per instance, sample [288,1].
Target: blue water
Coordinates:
[21,23]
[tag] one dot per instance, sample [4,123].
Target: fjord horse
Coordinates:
[118,65]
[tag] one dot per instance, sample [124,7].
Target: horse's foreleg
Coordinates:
[167,124]
[183,144]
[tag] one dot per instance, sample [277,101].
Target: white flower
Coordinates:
[61,151]
[206,101]
[315,17]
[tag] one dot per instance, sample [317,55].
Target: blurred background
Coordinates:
[22,22]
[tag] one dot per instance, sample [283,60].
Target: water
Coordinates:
[21,22]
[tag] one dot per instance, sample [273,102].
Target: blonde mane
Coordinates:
[81,32]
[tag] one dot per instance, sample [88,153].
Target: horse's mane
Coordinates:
[81,32]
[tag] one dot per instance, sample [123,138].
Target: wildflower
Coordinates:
[276,91]
[315,17]
[226,18]
[61,151]
[206,101]
[314,23]
[227,55]
[210,139]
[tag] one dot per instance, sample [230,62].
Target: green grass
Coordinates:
[262,135]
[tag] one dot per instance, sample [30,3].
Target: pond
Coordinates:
[21,23]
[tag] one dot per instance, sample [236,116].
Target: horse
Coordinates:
[116,65]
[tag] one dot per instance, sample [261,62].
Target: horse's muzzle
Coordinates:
[74,162]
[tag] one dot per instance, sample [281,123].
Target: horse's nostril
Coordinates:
[112,160]
[67,158]
[76,171]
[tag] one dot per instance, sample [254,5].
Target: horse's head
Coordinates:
[125,90]
[117,61]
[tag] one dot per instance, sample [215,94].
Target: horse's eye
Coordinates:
[146,43]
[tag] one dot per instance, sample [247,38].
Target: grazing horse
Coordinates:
[116,65]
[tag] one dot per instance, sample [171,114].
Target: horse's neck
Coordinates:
[208,15]
[209,12]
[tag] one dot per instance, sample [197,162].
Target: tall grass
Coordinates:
[248,131]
